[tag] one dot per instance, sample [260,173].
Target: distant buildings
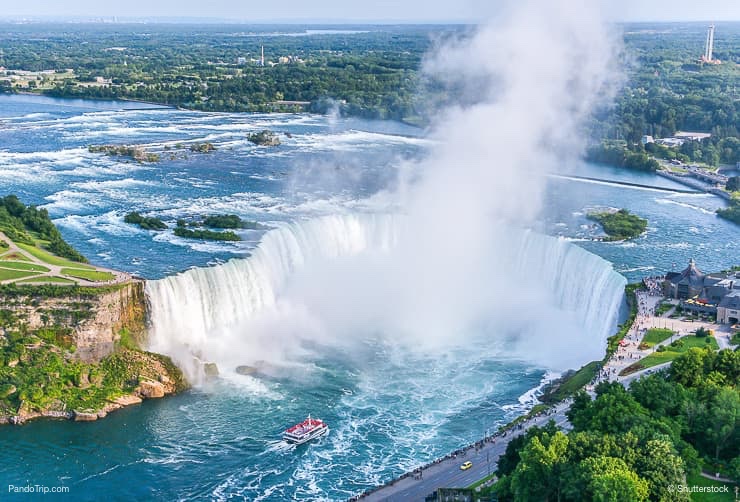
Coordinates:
[692,136]
[728,310]
[680,138]
[647,139]
[705,293]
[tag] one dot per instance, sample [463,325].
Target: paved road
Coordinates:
[448,474]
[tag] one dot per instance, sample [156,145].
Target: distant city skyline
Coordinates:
[338,11]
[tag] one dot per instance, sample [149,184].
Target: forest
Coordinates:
[634,444]
[368,71]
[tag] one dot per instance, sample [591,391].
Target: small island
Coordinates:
[199,227]
[264,138]
[202,147]
[147,223]
[619,225]
[205,234]
[136,153]
[230,221]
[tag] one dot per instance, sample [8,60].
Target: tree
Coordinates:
[609,479]
[721,419]
[688,368]
[733,184]
[538,474]
[659,464]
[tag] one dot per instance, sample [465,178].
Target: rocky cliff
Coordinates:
[75,353]
[93,323]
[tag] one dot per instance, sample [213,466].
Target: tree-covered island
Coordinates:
[619,225]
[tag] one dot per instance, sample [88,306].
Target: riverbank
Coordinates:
[446,472]
[484,455]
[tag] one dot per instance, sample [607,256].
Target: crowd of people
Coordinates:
[654,284]
[511,431]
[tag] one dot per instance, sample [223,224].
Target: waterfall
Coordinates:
[350,274]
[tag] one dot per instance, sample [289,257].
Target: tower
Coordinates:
[262,59]
[710,44]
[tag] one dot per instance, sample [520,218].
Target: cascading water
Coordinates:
[341,273]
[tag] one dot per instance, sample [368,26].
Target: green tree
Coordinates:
[733,184]
[721,419]
[688,368]
[610,479]
[663,469]
[538,474]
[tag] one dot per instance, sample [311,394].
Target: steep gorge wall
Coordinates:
[92,323]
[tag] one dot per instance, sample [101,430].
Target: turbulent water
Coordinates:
[390,407]
[246,309]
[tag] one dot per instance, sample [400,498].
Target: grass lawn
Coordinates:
[28,267]
[49,258]
[656,335]
[14,274]
[670,353]
[574,383]
[15,257]
[52,278]
[90,275]
[697,480]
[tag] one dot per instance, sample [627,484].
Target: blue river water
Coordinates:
[390,410]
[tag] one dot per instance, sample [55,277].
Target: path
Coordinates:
[55,270]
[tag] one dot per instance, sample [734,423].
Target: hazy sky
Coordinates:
[353,10]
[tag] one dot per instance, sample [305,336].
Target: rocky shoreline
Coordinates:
[149,387]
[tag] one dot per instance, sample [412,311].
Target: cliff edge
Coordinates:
[74,352]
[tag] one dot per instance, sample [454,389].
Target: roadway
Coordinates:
[447,473]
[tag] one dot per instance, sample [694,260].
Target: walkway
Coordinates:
[447,472]
[54,270]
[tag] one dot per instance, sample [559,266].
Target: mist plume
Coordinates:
[448,266]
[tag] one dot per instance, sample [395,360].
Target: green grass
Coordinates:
[656,335]
[52,279]
[28,267]
[6,275]
[487,478]
[697,480]
[573,383]
[670,353]
[51,259]
[90,275]
[15,257]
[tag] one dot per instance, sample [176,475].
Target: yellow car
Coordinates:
[466,465]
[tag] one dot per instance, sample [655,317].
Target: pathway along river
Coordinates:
[390,409]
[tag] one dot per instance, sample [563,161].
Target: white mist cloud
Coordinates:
[450,270]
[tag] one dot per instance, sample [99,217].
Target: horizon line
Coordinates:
[114,19]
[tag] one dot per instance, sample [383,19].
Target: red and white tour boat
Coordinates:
[305,431]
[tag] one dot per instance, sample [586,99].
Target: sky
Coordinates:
[349,10]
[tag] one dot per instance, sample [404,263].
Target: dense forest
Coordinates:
[636,444]
[370,71]
[30,225]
